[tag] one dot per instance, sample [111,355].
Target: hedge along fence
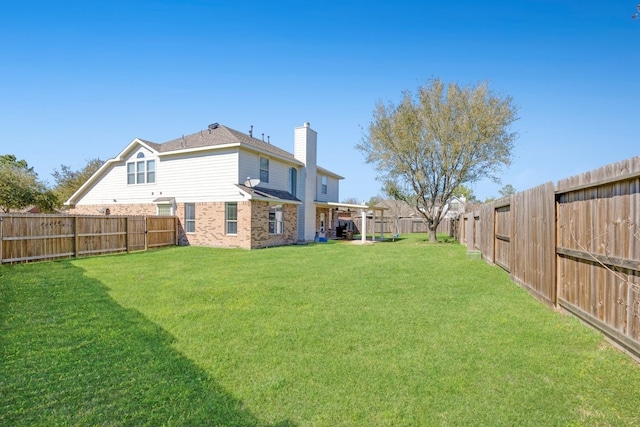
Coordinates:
[25,237]
[575,245]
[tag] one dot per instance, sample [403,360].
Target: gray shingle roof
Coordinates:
[221,135]
[269,193]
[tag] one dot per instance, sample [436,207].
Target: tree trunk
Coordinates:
[432,234]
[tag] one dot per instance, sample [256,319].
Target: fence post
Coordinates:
[76,238]
[513,232]
[175,230]
[126,233]
[1,237]
[146,240]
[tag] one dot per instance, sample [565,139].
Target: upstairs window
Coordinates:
[323,181]
[276,220]
[141,171]
[131,173]
[293,181]
[151,171]
[264,169]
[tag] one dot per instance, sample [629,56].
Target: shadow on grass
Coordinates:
[393,239]
[70,355]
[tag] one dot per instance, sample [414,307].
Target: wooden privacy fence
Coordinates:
[575,245]
[391,225]
[26,237]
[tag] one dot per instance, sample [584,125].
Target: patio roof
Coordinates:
[350,206]
[269,195]
[337,205]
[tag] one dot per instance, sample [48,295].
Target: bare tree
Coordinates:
[430,144]
[351,201]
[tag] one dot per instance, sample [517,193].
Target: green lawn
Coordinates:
[396,333]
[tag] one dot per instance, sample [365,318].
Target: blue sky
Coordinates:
[81,79]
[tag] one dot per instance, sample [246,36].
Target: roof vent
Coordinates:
[214,126]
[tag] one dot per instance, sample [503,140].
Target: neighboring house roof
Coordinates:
[27,210]
[402,209]
[399,208]
[456,206]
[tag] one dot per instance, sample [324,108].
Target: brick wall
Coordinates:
[260,226]
[210,224]
[116,209]
[210,227]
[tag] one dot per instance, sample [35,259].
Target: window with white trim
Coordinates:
[276,220]
[165,210]
[323,181]
[131,173]
[293,182]
[141,171]
[151,171]
[264,169]
[190,217]
[231,217]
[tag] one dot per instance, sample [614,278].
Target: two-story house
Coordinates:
[227,188]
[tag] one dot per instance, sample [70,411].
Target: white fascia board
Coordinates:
[272,200]
[132,145]
[350,206]
[88,183]
[197,150]
[272,155]
[327,172]
[341,205]
[100,172]
[232,145]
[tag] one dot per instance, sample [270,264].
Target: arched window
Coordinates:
[141,172]
[293,181]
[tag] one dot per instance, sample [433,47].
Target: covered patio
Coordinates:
[334,209]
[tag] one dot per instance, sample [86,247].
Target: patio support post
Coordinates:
[363,230]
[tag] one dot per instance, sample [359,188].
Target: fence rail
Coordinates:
[575,245]
[26,237]
[391,225]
